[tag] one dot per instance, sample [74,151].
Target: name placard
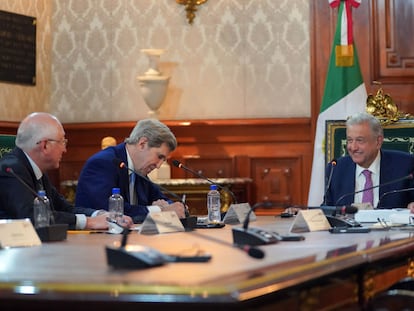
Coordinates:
[237,213]
[18,233]
[161,222]
[310,220]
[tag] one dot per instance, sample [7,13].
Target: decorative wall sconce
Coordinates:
[190,7]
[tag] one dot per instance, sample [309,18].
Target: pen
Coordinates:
[183,198]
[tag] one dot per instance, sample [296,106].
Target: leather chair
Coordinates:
[397,136]
[405,283]
[7,143]
[393,300]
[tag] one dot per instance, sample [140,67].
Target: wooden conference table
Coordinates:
[325,271]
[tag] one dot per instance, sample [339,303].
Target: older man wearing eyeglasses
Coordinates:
[40,144]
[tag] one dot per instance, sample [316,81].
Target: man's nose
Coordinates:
[159,163]
[352,146]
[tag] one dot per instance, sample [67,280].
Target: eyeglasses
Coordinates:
[63,141]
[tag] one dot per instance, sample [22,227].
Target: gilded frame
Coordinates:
[398,135]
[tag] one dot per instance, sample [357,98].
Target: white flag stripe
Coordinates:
[341,110]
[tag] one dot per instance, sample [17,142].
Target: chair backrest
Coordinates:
[397,136]
[7,143]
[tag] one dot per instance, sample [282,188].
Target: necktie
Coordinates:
[132,194]
[40,184]
[368,195]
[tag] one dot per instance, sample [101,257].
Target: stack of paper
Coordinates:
[399,216]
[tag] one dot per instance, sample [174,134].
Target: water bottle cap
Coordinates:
[116,191]
[41,193]
[213,187]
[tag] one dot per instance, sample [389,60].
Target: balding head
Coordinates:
[36,127]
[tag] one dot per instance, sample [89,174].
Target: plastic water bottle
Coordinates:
[116,206]
[213,205]
[41,210]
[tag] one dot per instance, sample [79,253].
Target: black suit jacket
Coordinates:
[394,165]
[16,200]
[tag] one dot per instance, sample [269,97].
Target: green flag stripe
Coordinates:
[340,80]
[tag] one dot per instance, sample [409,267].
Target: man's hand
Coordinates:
[100,222]
[97,222]
[178,207]
[161,203]
[411,207]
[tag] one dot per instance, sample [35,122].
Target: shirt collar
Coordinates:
[130,163]
[38,173]
[374,167]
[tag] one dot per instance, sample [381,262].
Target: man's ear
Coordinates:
[42,145]
[142,142]
[380,140]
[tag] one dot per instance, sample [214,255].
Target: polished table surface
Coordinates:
[76,269]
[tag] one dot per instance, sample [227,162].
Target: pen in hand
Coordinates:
[187,213]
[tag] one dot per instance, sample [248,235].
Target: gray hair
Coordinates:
[364,117]
[156,132]
[34,128]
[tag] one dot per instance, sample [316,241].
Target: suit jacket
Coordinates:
[101,173]
[394,165]
[16,200]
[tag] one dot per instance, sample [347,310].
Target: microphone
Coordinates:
[247,248]
[251,251]
[409,176]
[189,221]
[254,236]
[53,232]
[121,164]
[140,257]
[336,210]
[392,192]
[10,171]
[337,215]
[328,183]
[178,164]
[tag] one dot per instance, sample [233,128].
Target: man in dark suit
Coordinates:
[147,147]
[40,143]
[364,140]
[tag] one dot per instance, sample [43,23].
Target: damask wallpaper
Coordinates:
[239,59]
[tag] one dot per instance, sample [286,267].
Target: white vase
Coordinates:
[153,84]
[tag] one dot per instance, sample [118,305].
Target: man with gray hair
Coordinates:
[40,144]
[126,166]
[367,165]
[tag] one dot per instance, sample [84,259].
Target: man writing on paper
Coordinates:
[367,166]
[126,166]
[40,143]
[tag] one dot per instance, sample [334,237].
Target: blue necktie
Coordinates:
[132,193]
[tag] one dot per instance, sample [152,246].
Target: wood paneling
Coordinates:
[381,35]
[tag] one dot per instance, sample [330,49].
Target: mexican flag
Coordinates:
[344,93]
